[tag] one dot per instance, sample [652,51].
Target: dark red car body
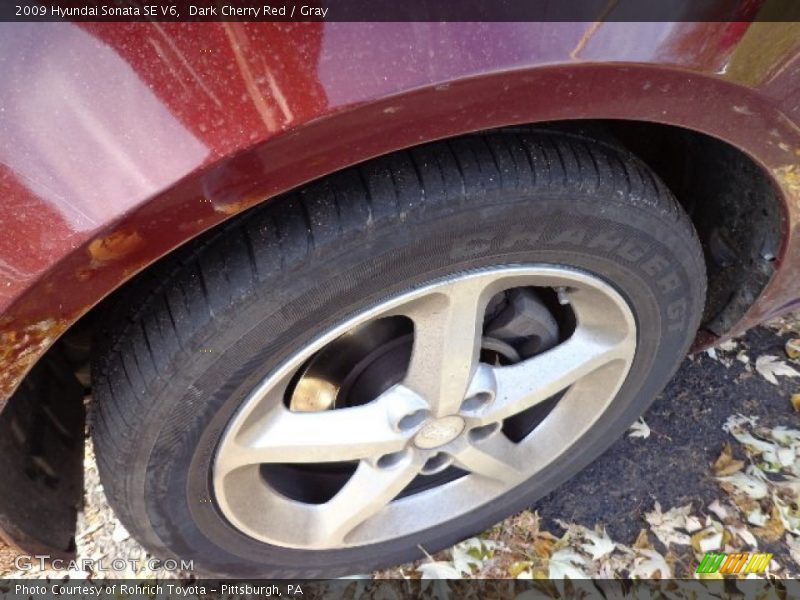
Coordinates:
[119,142]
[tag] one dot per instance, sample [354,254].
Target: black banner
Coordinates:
[486,589]
[400,10]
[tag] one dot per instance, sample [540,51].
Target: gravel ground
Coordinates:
[672,467]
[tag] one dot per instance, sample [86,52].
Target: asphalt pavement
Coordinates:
[672,465]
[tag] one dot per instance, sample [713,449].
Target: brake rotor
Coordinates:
[358,366]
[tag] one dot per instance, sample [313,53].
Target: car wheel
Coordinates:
[393,358]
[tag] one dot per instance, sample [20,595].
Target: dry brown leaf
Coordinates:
[707,540]
[719,510]
[543,547]
[518,568]
[541,573]
[726,464]
[727,537]
[773,530]
[745,503]
[795,400]
[643,541]
[793,348]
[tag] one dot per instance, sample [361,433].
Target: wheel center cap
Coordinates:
[439,432]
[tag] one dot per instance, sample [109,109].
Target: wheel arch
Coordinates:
[201,201]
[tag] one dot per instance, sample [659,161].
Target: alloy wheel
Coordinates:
[446,413]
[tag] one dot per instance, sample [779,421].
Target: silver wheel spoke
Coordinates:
[447,332]
[339,435]
[365,494]
[532,381]
[495,458]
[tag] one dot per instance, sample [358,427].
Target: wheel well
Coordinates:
[731,201]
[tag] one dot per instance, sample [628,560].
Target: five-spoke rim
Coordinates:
[448,410]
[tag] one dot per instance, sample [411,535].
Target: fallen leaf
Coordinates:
[642,543]
[639,429]
[725,463]
[707,540]
[439,570]
[784,435]
[757,517]
[524,575]
[744,534]
[567,563]
[693,524]
[665,524]
[786,456]
[518,569]
[597,544]
[773,530]
[769,367]
[719,510]
[793,348]
[795,400]
[755,445]
[543,547]
[753,487]
[120,534]
[738,421]
[473,552]
[789,514]
[648,564]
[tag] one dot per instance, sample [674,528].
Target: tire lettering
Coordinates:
[518,237]
[654,265]
[470,247]
[571,236]
[669,283]
[605,241]
[676,312]
[631,251]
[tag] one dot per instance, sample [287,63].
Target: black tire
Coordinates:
[183,345]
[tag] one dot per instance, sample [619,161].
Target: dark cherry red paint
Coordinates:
[119,142]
